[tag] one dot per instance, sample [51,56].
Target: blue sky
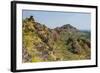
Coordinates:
[53,19]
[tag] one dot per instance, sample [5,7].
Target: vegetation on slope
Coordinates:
[42,44]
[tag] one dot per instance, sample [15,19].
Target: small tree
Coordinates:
[31,18]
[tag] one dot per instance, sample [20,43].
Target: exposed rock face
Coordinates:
[44,44]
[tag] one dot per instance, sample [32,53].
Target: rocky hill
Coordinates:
[41,44]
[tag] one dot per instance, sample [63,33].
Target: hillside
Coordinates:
[41,44]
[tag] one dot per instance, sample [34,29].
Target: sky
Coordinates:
[53,19]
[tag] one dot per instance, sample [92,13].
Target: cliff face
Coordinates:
[41,44]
